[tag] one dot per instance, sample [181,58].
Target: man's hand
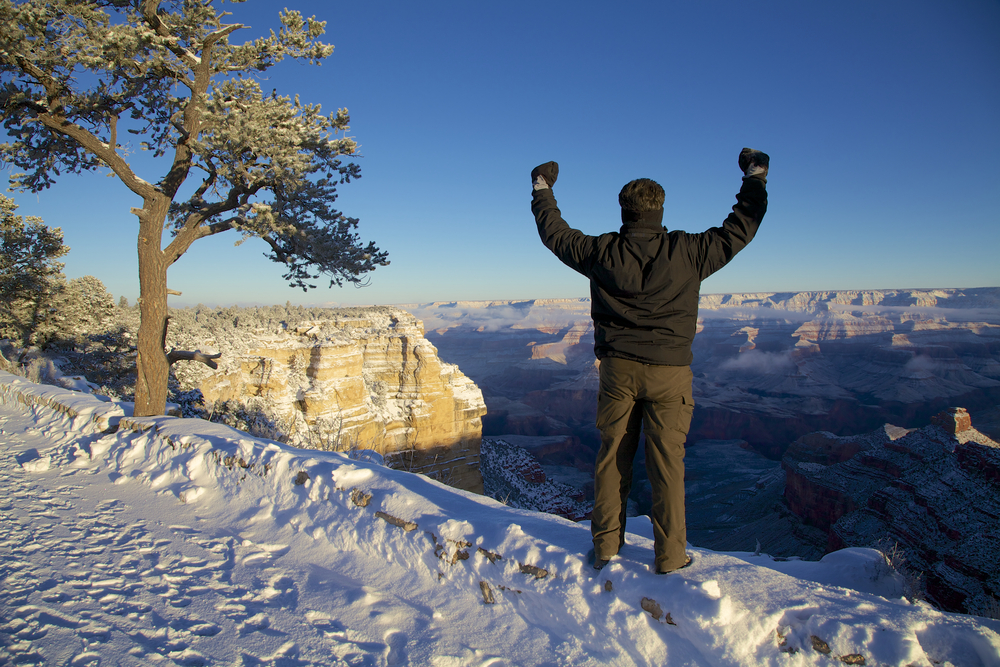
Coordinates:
[544,175]
[754,163]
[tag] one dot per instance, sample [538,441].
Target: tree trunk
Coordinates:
[152,367]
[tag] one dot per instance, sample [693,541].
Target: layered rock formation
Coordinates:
[534,361]
[366,379]
[842,361]
[933,491]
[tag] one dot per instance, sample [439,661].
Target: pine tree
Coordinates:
[76,74]
[30,275]
[85,306]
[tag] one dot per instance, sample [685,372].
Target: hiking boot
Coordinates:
[595,562]
[686,563]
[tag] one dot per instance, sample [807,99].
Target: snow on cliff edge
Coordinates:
[174,541]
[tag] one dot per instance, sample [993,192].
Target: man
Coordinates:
[644,288]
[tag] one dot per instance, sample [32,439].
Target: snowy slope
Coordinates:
[171,541]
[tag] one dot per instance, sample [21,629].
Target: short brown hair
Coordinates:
[642,194]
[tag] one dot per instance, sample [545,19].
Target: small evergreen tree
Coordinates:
[75,74]
[30,275]
[85,306]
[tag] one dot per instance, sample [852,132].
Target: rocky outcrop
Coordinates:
[364,380]
[817,497]
[514,477]
[934,491]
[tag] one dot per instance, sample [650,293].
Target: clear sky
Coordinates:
[882,120]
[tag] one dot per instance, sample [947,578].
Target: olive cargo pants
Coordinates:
[657,400]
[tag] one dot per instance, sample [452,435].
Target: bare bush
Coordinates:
[894,561]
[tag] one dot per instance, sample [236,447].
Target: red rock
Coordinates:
[953,420]
[817,505]
[532,472]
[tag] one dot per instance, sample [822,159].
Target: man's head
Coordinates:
[643,195]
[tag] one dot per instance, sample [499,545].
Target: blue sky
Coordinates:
[882,120]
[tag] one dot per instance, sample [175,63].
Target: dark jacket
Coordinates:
[644,280]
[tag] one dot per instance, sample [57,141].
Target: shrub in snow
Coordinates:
[894,563]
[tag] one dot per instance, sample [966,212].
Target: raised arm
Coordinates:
[717,246]
[574,248]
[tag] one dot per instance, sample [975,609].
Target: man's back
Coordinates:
[644,280]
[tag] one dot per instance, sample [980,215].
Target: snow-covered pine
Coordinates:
[79,75]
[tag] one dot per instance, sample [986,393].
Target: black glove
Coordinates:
[548,171]
[754,163]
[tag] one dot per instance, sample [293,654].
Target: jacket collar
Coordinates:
[644,220]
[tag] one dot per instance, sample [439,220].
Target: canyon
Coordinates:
[784,383]
[812,428]
[768,367]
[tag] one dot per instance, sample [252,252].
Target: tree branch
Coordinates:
[207,183]
[104,152]
[193,110]
[51,85]
[149,14]
[215,228]
[278,252]
[182,355]
[194,229]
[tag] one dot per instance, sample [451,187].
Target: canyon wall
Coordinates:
[934,492]
[362,379]
[513,476]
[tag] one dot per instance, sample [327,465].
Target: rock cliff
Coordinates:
[366,379]
[933,491]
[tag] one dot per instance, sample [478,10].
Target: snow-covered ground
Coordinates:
[173,541]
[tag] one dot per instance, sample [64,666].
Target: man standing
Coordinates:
[644,289]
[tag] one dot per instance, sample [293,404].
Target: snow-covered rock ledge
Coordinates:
[203,545]
[81,408]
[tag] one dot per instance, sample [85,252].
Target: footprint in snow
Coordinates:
[281,591]
[326,624]
[396,649]
[86,659]
[255,623]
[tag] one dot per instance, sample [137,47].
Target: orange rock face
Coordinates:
[367,381]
